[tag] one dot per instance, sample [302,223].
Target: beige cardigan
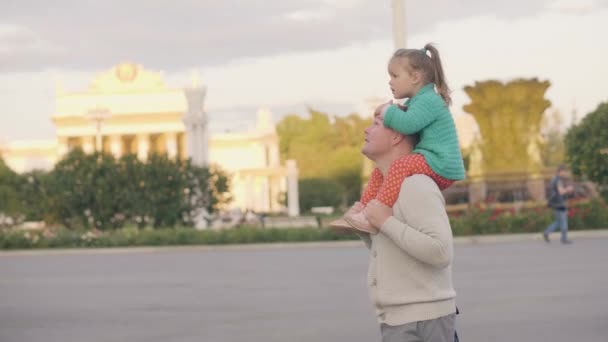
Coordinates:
[410,272]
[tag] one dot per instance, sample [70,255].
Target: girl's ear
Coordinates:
[417,77]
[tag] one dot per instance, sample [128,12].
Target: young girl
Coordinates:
[414,74]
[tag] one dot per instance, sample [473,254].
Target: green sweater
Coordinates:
[428,114]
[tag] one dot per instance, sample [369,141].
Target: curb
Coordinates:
[460,240]
[506,238]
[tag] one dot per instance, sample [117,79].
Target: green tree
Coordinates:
[587,147]
[319,192]
[326,149]
[137,207]
[99,191]
[307,141]
[34,195]
[11,210]
[87,190]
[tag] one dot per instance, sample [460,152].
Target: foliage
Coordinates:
[326,148]
[10,206]
[492,220]
[478,221]
[96,190]
[587,146]
[319,192]
[130,237]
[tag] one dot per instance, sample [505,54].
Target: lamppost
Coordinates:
[399,24]
[98,115]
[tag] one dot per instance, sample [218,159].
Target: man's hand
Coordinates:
[377,213]
[356,208]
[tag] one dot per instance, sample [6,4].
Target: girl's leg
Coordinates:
[404,167]
[372,187]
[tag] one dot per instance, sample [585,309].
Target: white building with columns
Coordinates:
[131,110]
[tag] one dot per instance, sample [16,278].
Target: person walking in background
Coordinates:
[557,202]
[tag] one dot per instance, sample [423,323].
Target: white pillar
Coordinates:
[293,198]
[249,193]
[195,120]
[88,145]
[171,144]
[143,146]
[399,24]
[116,146]
[62,147]
[282,188]
[203,142]
[274,195]
[274,154]
[265,196]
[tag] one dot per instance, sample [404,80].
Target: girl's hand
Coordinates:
[377,213]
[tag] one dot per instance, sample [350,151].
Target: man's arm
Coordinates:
[427,235]
[563,189]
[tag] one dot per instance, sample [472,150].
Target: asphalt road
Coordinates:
[522,291]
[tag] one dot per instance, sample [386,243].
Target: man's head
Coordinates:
[384,143]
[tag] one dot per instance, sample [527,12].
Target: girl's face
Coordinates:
[404,82]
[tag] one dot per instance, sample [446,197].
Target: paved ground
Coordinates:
[517,291]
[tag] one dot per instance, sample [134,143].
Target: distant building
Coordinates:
[131,110]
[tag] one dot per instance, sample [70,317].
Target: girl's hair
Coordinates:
[430,66]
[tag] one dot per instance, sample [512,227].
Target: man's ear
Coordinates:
[396,138]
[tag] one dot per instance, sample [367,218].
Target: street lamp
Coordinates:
[399,23]
[98,115]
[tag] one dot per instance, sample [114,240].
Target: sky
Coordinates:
[330,55]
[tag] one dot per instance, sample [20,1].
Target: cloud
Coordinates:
[574,6]
[309,15]
[81,35]
[22,47]
[492,41]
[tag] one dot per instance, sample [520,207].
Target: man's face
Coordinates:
[378,138]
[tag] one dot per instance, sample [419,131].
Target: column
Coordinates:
[536,188]
[477,191]
[399,24]
[143,146]
[265,196]
[249,192]
[293,198]
[195,120]
[116,146]
[62,147]
[171,144]
[88,145]
[274,154]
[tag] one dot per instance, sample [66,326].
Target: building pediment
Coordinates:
[128,77]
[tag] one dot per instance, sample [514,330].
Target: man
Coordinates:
[411,250]
[558,203]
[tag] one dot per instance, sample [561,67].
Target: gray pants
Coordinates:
[434,330]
